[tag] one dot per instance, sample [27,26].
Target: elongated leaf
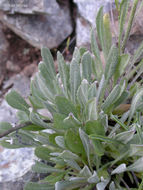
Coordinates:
[50,106]
[112,62]
[86,65]
[73,142]
[75,78]
[101,88]
[63,122]
[82,93]
[126,136]
[68,185]
[60,141]
[72,121]
[137,53]
[101,185]
[111,99]
[4,126]
[92,91]
[73,164]
[76,55]
[48,94]
[120,169]
[38,186]
[85,172]
[136,150]
[135,103]
[65,106]
[121,66]
[64,72]
[100,28]
[92,109]
[137,166]
[35,119]
[107,33]
[53,178]
[42,153]
[40,167]
[48,60]
[94,178]
[86,143]
[66,154]
[45,75]
[94,47]
[15,100]
[123,14]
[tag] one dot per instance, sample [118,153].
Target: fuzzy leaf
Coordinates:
[135,103]
[4,126]
[60,141]
[48,61]
[86,65]
[107,33]
[120,169]
[40,167]
[82,93]
[85,142]
[75,78]
[94,178]
[65,106]
[92,109]
[85,172]
[66,154]
[136,150]
[38,186]
[112,62]
[113,96]
[137,166]
[42,153]
[15,100]
[101,185]
[73,142]
[64,72]
[92,91]
[67,185]
[100,28]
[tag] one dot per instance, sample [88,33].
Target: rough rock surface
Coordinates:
[21,84]
[22,6]
[15,165]
[48,29]
[87,11]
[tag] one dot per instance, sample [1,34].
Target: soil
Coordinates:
[20,53]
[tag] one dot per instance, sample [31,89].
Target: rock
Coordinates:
[48,29]
[10,66]
[15,168]
[7,113]
[28,7]
[30,70]
[3,54]
[87,11]
[21,84]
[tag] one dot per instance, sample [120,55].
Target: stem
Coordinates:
[129,24]
[20,126]
[141,185]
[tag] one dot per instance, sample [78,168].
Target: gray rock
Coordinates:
[48,29]
[21,84]
[15,168]
[87,13]
[29,7]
